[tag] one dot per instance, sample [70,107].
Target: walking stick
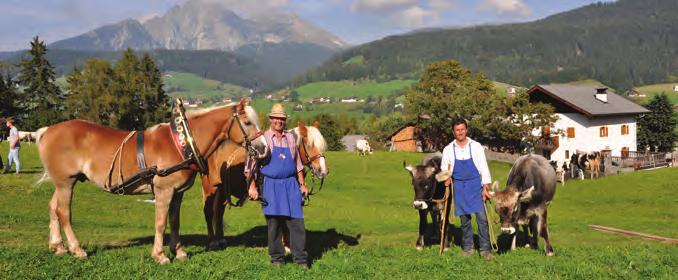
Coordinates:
[493,238]
[443,227]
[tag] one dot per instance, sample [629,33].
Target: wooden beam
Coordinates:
[635,234]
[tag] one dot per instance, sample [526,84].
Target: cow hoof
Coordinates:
[419,248]
[446,249]
[288,250]
[222,243]
[162,260]
[528,246]
[550,254]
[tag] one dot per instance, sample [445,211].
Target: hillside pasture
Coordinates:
[359,89]
[360,226]
[657,89]
[188,85]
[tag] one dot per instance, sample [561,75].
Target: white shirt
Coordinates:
[465,153]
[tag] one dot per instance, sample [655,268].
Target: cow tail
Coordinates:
[43,179]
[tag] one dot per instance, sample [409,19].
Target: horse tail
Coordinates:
[43,179]
[39,133]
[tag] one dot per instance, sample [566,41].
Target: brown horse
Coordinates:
[218,187]
[78,150]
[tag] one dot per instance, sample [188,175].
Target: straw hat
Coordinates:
[277,111]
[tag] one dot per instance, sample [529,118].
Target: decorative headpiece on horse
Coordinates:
[183,138]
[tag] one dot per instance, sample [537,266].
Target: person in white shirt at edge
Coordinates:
[465,159]
[14,144]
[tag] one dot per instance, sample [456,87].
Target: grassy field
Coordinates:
[179,84]
[361,225]
[350,88]
[652,90]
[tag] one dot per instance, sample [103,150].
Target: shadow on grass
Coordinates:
[317,242]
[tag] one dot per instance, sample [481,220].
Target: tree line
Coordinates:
[127,94]
[622,44]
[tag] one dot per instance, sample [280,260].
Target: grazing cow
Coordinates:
[594,160]
[428,197]
[578,164]
[529,190]
[560,171]
[363,147]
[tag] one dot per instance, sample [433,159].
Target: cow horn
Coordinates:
[495,187]
[526,195]
[408,167]
[442,176]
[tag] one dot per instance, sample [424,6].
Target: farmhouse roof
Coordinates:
[399,129]
[583,99]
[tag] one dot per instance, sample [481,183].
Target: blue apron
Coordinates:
[467,186]
[281,189]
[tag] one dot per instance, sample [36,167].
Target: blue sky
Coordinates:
[355,21]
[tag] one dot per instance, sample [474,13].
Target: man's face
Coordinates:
[277,124]
[460,131]
[8,124]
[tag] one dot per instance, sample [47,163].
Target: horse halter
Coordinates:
[309,159]
[247,141]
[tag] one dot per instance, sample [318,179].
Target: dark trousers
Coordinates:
[467,232]
[297,238]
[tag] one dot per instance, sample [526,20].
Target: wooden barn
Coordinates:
[405,139]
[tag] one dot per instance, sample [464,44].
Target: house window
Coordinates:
[545,131]
[603,131]
[567,154]
[625,129]
[625,152]
[570,132]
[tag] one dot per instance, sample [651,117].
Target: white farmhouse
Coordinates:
[589,119]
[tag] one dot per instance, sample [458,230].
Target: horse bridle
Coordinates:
[223,136]
[309,162]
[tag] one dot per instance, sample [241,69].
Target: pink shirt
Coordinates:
[272,141]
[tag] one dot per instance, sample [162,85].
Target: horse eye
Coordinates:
[248,123]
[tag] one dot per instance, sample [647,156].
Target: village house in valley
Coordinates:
[590,119]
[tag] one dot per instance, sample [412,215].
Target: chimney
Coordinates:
[601,94]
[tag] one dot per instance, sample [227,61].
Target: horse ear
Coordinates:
[303,131]
[301,124]
[244,102]
[316,124]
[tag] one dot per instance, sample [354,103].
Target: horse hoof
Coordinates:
[58,249]
[419,248]
[80,254]
[162,260]
[446,249]
[550,254]
[182,257]
[222,243]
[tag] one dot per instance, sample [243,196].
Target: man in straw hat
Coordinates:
[283,190]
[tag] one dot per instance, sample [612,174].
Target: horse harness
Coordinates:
[185,143]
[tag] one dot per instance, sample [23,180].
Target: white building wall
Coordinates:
[587,135]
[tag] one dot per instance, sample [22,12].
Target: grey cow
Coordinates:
[529,190]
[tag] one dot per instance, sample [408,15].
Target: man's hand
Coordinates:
[304,190]
[254,194]
[486,192]
[448,182]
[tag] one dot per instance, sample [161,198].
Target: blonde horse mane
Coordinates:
[315,138]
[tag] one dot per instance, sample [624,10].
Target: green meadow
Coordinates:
[359,89]
[188,85]
[360,226]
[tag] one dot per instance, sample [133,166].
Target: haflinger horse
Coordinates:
[229,180]
[76,150]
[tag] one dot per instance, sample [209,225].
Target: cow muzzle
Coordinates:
[421,205]
[508,230]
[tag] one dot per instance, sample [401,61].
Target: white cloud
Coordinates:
[380,6]
[403,13]
[507,7]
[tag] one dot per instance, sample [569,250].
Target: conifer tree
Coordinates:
[41,96]
[656,130]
